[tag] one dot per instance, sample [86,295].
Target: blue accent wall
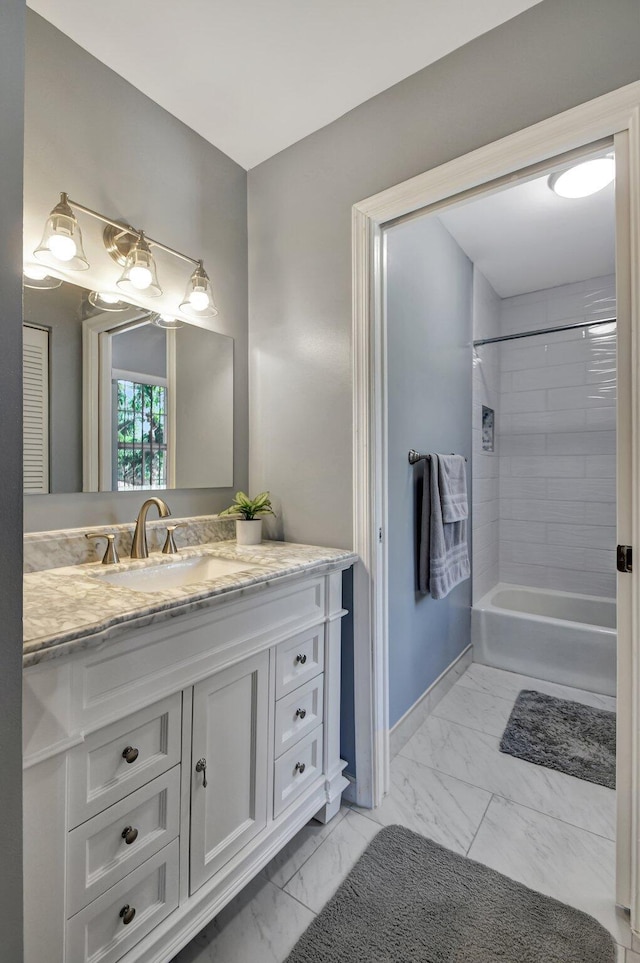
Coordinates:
[429,333]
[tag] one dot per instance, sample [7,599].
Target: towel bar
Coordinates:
[415,456]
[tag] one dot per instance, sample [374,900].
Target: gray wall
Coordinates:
[429,333]
[11,155]
[87,131]
[557,54]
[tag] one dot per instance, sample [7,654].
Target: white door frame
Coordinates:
[615,114]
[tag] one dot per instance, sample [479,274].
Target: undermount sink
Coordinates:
[170,575]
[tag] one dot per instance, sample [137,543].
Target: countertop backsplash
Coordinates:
[56,549]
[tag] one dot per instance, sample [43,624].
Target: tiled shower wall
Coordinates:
[486,474]
[557,441]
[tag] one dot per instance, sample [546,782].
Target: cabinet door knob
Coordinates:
[301,713]
[201,766]
[130,754]
[129,834]
[126,914]
[300,767]
[301,658]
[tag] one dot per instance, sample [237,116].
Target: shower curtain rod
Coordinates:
[531,334]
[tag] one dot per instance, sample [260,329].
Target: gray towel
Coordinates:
[443,553]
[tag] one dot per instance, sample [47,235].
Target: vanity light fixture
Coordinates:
[36,276]
[585,178]
[140,275]
[198,298]
[61,245]
[105,301]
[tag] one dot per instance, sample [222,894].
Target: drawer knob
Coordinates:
[300,767]
[126,914]
[301,658]
[129,834]
[301,713]
[129,754]
[201,766]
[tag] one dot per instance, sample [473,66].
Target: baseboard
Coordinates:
[349,794]
[413,718]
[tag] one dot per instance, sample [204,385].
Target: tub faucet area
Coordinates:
[139,547]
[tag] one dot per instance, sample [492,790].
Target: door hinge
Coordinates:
[624,558]
[379,534]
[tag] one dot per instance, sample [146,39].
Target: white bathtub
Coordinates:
[555,636]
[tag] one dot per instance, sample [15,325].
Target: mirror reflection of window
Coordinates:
[140,458]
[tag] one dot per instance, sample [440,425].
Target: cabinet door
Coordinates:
[230,730]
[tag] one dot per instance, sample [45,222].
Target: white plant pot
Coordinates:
[248,531]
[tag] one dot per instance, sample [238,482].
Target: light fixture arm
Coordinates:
[123,229]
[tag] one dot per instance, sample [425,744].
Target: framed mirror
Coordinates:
[115,402]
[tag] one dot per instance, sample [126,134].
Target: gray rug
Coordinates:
[563,735]
[408,900]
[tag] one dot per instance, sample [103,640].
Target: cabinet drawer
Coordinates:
[99,855]
[298,713]
[298,660]
[297,769]
[99,773]
[99,934]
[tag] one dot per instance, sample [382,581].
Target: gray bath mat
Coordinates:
[408,900]
[563,735]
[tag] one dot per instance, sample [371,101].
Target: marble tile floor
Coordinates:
[450,783]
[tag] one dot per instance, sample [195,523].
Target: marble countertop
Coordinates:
[74,607]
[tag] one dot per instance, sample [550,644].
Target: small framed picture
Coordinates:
[488,428]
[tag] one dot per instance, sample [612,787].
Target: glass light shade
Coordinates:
[106,301]
[584,179]
[36,276]
[167,321]
[198,298]
[61,244]
[140,275]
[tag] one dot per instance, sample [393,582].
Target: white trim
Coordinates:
[416,714]
[477,171]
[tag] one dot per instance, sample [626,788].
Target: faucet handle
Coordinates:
[110,556]
[170,547]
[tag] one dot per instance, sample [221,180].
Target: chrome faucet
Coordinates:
[139,548]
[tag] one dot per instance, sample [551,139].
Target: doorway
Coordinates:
[518,157]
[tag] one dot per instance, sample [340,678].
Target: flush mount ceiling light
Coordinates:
[105,301]
[584,179]
[61,243]
[61,246]
[36,276]
[167,321]
[198,298]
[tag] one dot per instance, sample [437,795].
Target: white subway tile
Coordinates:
[486,512]
[585,536]
[529,400]
[581,489]
[517,358]
[522,531]
[566,308]
[599,560]
[580,396]
[522,317]
[519,573]
[523,487]
[604,417]
[582,443]
[548,466]
[584,583]
[547,421]
[601,466]
[553,376]
[522,444]
[543,510]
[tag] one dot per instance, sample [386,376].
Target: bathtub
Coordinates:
[556,636]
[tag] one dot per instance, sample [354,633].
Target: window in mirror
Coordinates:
[35,392]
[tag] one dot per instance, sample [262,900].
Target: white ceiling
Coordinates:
[253,77]
[526,238]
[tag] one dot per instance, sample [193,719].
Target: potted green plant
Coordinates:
[251,510]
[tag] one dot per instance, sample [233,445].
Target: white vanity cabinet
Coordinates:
[166,765]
